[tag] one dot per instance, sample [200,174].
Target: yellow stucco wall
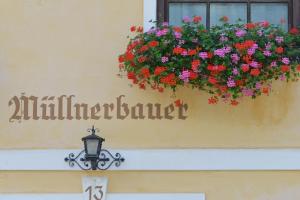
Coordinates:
[55,47]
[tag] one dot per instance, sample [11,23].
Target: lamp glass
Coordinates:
[92,146]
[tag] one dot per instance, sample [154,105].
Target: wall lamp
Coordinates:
[93,156]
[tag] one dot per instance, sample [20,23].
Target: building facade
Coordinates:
[60,49]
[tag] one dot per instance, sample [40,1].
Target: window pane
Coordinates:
[275,13]
[179,10]
[234,11]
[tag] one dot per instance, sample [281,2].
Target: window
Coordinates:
[285,13]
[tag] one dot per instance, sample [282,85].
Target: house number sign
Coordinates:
[94,188]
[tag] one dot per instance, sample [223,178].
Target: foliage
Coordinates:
[229,61]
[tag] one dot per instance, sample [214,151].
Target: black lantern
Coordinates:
[93,156]
[92,147]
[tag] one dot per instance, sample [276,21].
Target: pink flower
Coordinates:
[203,55]
[227,49]
[184,53]
[161,32]
[274,64]
[231,83]
[279,40]
[181,42]
[177,35]
[268,46]
[267,53]
[220,53]
[235,58]
[251,51]
[223,38]
[259,33]
[258,85]
[240,33]
[185,76]
[282,77]
[254,64]
[286,61]
[164,59]
[186,19]
[235,71]
[247,92]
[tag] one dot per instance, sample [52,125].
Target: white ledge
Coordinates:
[114,196]
[162,159]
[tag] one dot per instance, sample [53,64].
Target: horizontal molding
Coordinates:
[113,196]
[162,159]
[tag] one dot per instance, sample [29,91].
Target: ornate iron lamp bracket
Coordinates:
[105,160]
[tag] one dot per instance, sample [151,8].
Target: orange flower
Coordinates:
[193,75]
[245,68]
[197,19]
[178,50]
[140,29]
[213,100]
[294,31]
[153,43]
[195,64]
[142,86]
[177,29]
[178,103]
[298,68]
[250,26]
[224,19]
[192,52]
[131,75]
[158,70]
[141,59]
[254,72]
[279,50]
[285,68]
[234,102]
[145,71]
[132,28]
[169,79]
[121,58]
[265,90]
[212,80]
[129,56]
[160,89]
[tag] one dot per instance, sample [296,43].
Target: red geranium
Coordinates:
[250,26]
[129,56]
[294,31]
[245,68]
[169,79]
[158,70]
[195,64]
[279,50]
[192,52]
[145,71]
[285,68]
[197,19]
[193,75]
[254,72]
[212,80]
[153,43]
[229,61]
[132,28]
[178,50]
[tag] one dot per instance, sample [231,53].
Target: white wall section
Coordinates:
[162,159]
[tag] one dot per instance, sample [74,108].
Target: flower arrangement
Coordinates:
[229,61]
